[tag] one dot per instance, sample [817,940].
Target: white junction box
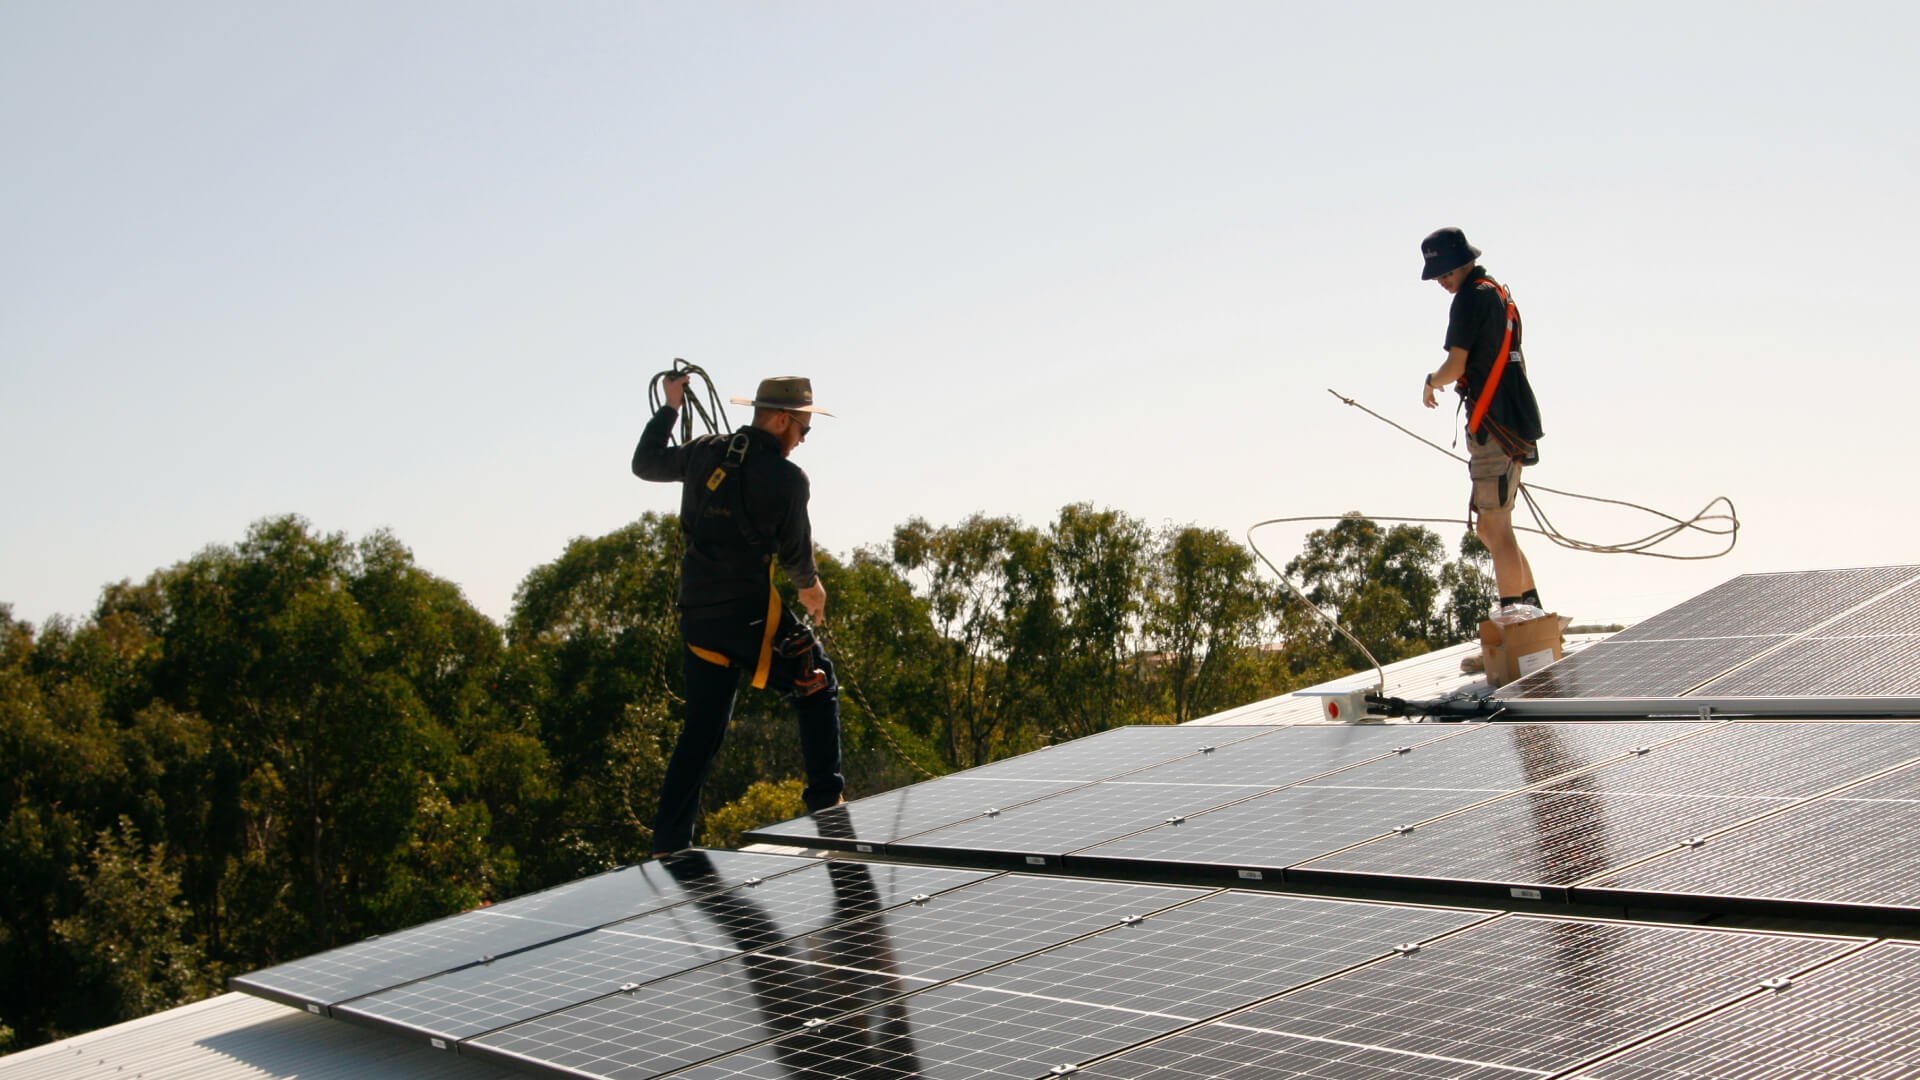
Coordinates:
[1340,705]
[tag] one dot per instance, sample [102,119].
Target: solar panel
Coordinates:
[871,823]
[1113,752]
[1596,821]
[1518,996]
[1849,850]
[1257,838]
[1774,759]
[1852,1019]
[1055,1009]
[1044,831]
[1534,843]
[1288,755]
[711,927]
[1638,669]
[1763,604]
[1884,666]
[318,981]
[1816,633]
[1505,757]
[1222,951]
[847,968]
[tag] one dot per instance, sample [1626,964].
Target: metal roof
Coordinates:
[237,1037]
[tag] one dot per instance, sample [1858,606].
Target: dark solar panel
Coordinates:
[470,937]
[1774,759]
[1113,752]
[1516,996]
[1291,754]
[847,968]
[1855,849]
[1537,841]
[1046,830]
[1260,836]
[1631,669]
[871,823]
[1221,952]
[952,1032]
[1880,666]
[1853,1019]
[1763,604]
[711,927]
[1506,757]
[1817,633]
[1897,613]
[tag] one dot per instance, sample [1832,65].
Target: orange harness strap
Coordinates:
[1485,399]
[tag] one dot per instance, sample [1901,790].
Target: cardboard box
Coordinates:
[1522,648]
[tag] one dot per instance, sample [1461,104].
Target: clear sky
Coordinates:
[410,263]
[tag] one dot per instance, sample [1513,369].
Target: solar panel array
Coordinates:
[1015,975]
[1807,634]
[733,965]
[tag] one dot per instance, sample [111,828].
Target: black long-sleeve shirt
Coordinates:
[726,561]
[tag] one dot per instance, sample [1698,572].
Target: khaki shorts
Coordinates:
[1496,476]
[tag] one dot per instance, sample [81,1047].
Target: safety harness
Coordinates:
[716,486]
[1517,445]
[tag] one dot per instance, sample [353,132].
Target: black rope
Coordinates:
[702,400]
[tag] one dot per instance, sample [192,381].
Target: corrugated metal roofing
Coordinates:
[237,1037]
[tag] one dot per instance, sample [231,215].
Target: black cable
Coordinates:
[702,400]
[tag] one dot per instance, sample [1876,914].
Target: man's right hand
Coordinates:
[814,599]
[676,389]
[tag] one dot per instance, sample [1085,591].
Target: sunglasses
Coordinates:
[804,428]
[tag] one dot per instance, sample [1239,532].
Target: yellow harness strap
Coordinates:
[710,656]
[766,640]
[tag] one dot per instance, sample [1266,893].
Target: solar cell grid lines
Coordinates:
[711,927]
[1764,604]
[1768,759]
[1836,851]
[1883,666]
[1854,1018]
[1222,951]
[467,938]
[1532,995]
[1895,614]
[952,1032]
[1051,827]
[869,824]
[1226,1051]
[1535,840]
[1630,669]
[1277,830]
[1507,756]
[723,1007]
[1110,753]
[1291,754]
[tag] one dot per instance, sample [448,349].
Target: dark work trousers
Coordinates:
[711,689]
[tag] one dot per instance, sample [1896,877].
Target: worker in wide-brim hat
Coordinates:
[743,512]
[1486,366]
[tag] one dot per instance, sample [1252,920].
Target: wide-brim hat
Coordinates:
[794,393]
[1445,251]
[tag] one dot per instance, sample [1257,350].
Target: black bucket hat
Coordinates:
[1445,250]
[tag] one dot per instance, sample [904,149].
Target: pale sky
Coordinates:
[410,264]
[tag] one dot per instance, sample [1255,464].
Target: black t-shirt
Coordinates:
[756,514]
[1477,322]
